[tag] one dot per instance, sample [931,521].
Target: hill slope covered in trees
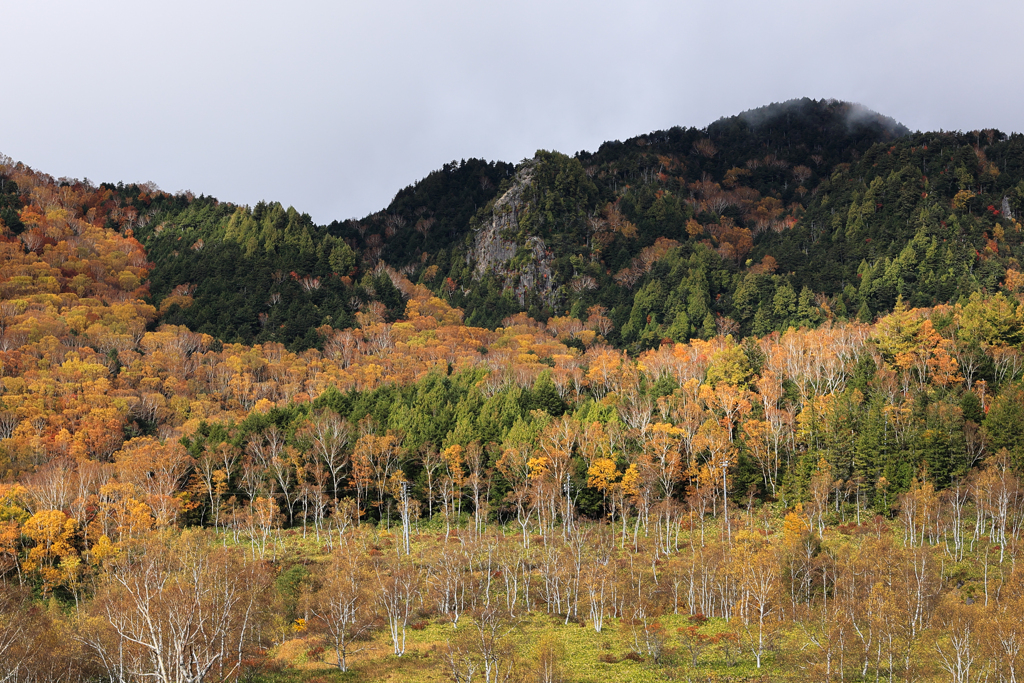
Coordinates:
[765,360]
[789,214]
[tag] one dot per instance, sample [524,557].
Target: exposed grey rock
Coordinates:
[498,243]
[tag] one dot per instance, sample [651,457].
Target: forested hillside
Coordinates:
[744,402]
[786,215]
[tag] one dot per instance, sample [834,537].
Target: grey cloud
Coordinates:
[332,107]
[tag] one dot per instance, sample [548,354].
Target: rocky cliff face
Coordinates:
[522,263]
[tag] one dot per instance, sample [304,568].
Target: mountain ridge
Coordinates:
[747,225]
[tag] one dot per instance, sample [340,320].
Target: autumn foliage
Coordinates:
[840,498]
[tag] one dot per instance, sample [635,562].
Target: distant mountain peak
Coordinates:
[803,110]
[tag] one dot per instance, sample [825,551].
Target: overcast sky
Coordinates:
[332,106]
